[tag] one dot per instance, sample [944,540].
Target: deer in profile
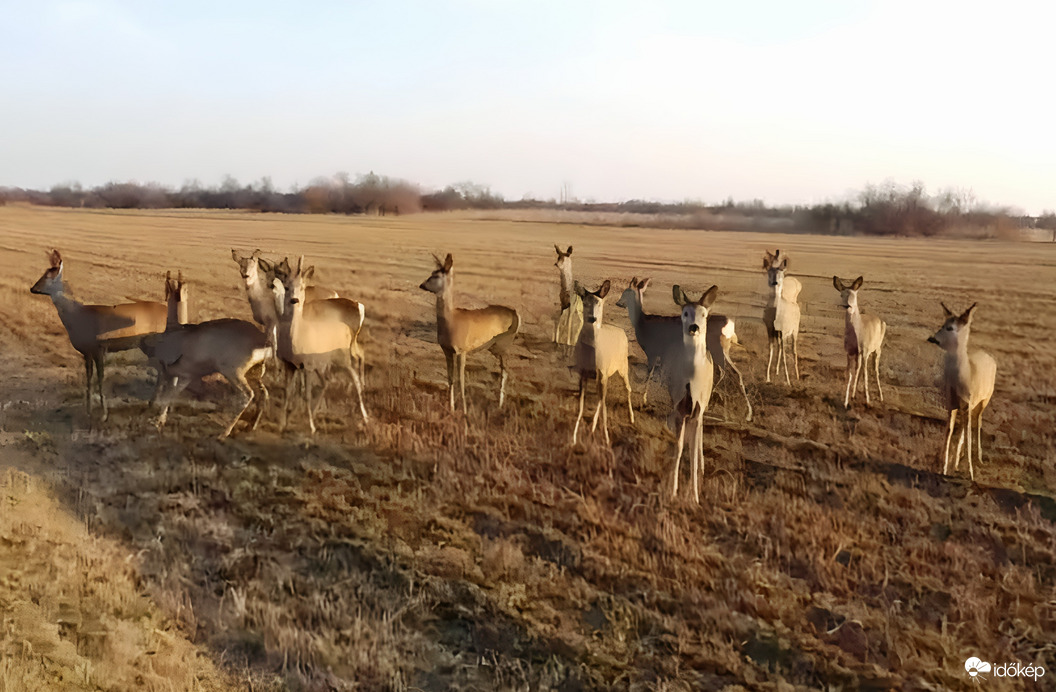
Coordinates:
[461,331]
[690,380]
[781,315]
[315,338]
[967,384]
[601,351]
[185,353]
[864,337]
[570,316]
[658,334]
[96,330]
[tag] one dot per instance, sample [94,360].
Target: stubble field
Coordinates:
[428,550]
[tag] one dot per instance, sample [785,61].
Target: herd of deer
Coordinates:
[310,330]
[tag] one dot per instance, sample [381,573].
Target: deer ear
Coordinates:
[179,276]
[569,251]
[966,317]
[633,282]
[857,284]
[837,284]
[709,297]
[604,290]
[300,263]
[644,284]
[234,254]
[784,264]
[679,295]
[256,253]
[559,253]
[308,273]
[580,291]
[56,259]
[946,310]
[766,261]
[448,262]
[265,265]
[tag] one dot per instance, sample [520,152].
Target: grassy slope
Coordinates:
[429,550]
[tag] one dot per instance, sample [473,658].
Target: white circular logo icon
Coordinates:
[975,666]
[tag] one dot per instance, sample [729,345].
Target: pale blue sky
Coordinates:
[790,102]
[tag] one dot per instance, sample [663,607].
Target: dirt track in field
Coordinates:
[429,550]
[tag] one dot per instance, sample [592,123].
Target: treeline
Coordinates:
[885,209]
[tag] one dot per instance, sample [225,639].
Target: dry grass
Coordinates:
[433,551]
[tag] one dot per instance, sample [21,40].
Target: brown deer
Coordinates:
[96,330]
[864,337]
[461,331]
[967,383]
[659,333]
[185,353]
[570,315]
[781,315]
[690,380]
[600,352]
[315,337]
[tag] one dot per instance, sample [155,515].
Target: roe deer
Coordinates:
[864,336]
[781,315]
[690,380]
[185,353]
[600,352]
[461,331]
[570,316]
[257,276]
[967,383]
[657,334]
[315,337]
[95,330]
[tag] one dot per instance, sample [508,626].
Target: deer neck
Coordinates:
[636,315]
[262,302]
[566,286]
[445,305]
[854,321]
[957,372]
[776,301]
[68,308]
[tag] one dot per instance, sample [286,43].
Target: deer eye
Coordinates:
[949,328]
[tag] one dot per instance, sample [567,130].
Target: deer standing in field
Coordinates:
[967,383]
[96,330]
[601,351]
[570,316]
[690,380]
[461,331]
[315,337]
[781,315]
[185,353]
[257,276]
[658,334]
[864,336]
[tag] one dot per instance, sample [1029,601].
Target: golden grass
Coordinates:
[432,551]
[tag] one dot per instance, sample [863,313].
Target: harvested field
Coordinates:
[428,550]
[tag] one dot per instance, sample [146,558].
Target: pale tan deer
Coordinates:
[659,333]
[570,317]
[460,331]
[316,337]
[967,384]
[690,379]
[257,276]
[600,352]
[863,337]
[96,330]
[185,353]
[781,315]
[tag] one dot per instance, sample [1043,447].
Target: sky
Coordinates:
[789,102]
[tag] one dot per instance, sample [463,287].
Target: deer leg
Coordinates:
[291,385]
[462,379]
[968,452]
[627,383]
[89,368]
[740,381]
[502,379]
[863,364]
[784,360]
[850,378]
[262,406]
[795,354]
[178,385]
[949,437]
[237,377]
[648,379]
[450,356]
[308,398]
[770,358]
[582,398]
[876,370]
[359,391]
[557,327]
[979,435]
[678,455]
[601,406]
[100,361]
[698,455]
